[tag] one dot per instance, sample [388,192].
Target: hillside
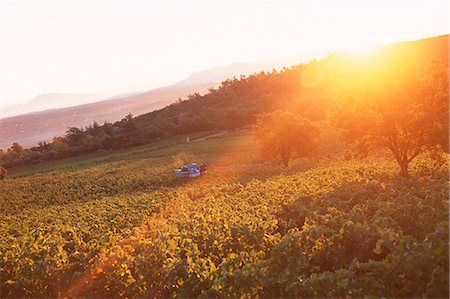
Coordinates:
[29,129]
[123,225]
[51,101]
[309,90]
[225,149]
[221,73]
[334,223]
[28,124]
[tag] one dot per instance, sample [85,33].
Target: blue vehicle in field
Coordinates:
[192,170]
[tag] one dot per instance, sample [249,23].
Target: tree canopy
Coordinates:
[401,109]
[284,135]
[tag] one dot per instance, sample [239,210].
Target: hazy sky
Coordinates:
[117,47]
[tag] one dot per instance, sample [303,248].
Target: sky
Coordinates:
[113,47]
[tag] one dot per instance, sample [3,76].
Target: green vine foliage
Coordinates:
[340,229]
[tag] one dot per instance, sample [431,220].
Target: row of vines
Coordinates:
[339,229]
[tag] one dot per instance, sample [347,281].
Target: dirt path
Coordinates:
[209,136]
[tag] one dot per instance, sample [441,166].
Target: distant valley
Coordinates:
[29,129]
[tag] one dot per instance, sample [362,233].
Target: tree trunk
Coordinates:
[404,169]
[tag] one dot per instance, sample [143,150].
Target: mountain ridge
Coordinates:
[17,128]
[28,129]
[51,100]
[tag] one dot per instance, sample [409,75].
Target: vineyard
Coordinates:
[125,226]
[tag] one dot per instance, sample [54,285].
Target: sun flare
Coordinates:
[363,52]
[232,149]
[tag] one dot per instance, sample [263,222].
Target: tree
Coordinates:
[16,148]
[401,110]
[74,136]
[2,173]
[284,135]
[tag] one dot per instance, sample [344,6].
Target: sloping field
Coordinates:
[122,225]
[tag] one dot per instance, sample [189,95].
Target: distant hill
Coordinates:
[29,129]
[221,73]
[42,121]
[52,101]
